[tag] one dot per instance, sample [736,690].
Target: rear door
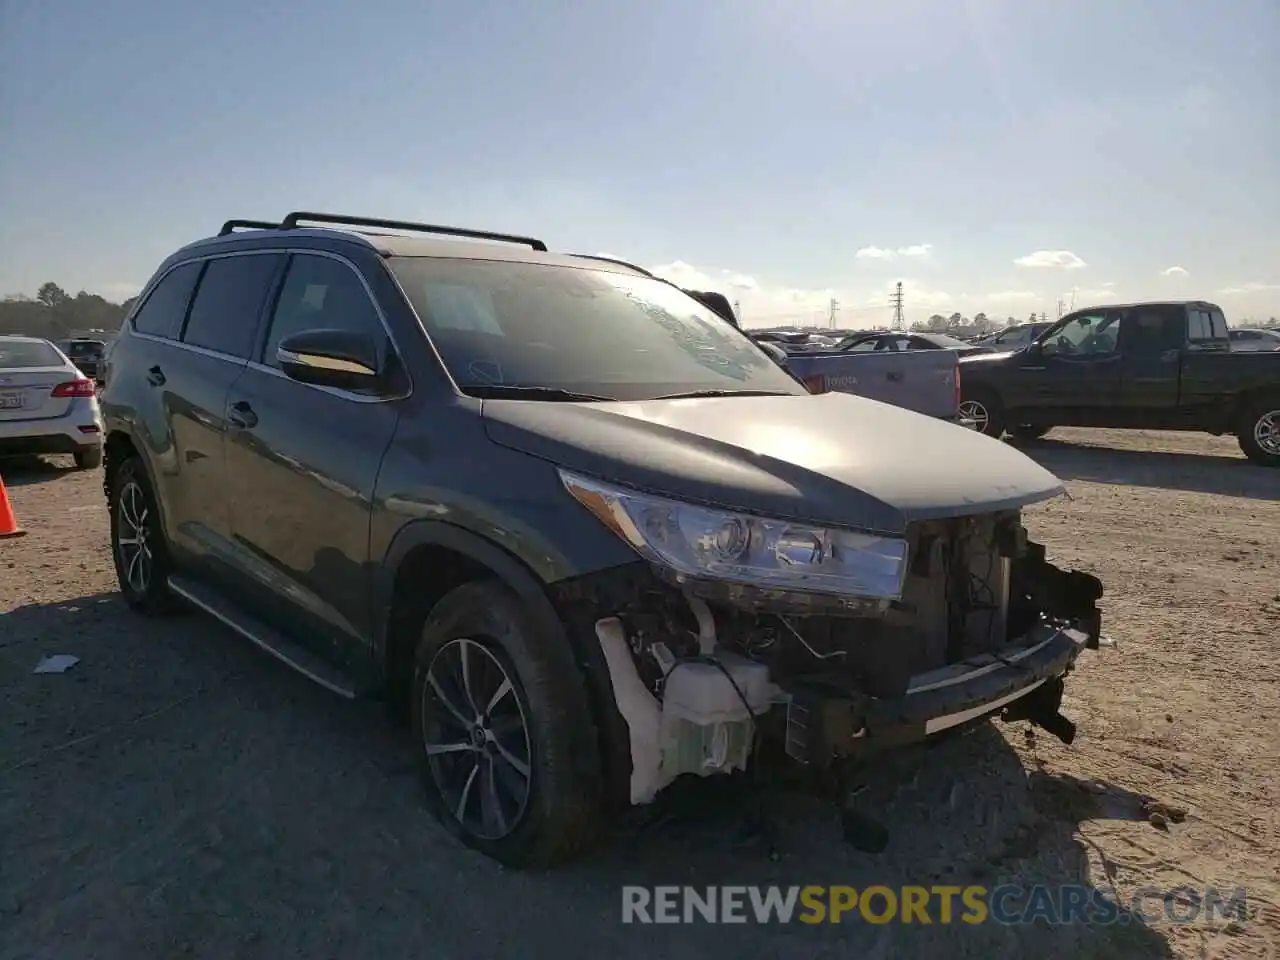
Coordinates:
[302,463]
[214,347]
[1151,339]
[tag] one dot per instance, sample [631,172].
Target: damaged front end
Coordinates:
[707,670]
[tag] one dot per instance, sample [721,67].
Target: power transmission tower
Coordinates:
[1060,305]
[896,302]
[1043,318]
[831,318]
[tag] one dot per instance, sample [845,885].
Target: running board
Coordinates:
[267,637]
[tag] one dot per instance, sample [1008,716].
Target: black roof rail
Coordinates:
[293,220]
[232,225]
[614,260]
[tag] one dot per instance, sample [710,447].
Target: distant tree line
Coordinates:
[958,325]
[55,314]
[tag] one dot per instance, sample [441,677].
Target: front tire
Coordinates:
[1259,432]
[984,410]
[138,547]
[508,750]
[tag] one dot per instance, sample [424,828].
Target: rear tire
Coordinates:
[514,767]
[89,459]
[1027,432]
[984,407]
[1259,432]
[138,547]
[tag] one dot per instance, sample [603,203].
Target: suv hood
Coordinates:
[833,458]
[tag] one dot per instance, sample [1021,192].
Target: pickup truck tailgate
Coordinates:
[924,381]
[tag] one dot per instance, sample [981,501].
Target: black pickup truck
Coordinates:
[1153,366]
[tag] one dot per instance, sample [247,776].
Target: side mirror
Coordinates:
[1034,351]
[330,358]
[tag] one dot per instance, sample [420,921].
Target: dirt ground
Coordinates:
[179,794]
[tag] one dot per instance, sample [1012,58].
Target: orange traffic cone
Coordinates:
[8,522]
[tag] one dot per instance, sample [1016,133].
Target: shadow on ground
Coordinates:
[179,793]
[20,471]
[1194,473]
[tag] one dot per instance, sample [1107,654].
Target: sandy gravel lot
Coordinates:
[178,794]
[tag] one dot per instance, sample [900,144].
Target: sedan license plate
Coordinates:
[10,401]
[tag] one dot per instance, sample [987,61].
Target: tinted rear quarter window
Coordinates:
[162,313]
[228,303]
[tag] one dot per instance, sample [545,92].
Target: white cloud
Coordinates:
[1253,287]
[687,275]
[759,304]
[1175,272]
[886,253]
[1062,259]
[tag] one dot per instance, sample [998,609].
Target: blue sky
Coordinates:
[994,156]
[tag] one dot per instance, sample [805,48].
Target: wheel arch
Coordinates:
[1246,400]
[426,560]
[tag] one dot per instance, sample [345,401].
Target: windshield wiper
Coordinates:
[722,393]
[512,391]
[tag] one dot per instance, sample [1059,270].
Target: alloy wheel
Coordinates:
[976,414]
[1266,432]
[134,538]
[476,736]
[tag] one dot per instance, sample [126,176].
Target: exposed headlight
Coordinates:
[703,542]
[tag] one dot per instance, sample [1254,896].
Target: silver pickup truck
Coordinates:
[925,381]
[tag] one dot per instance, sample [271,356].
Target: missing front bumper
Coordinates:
[1023,683]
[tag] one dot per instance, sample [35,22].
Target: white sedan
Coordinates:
[47,405]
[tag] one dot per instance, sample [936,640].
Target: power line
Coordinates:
[895,301]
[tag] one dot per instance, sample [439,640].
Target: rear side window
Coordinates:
[1152,330]
[1203,325]
[1219,323]
[224,315]
[163,311]
[320,293]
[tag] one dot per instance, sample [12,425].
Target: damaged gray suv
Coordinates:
[580,530]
